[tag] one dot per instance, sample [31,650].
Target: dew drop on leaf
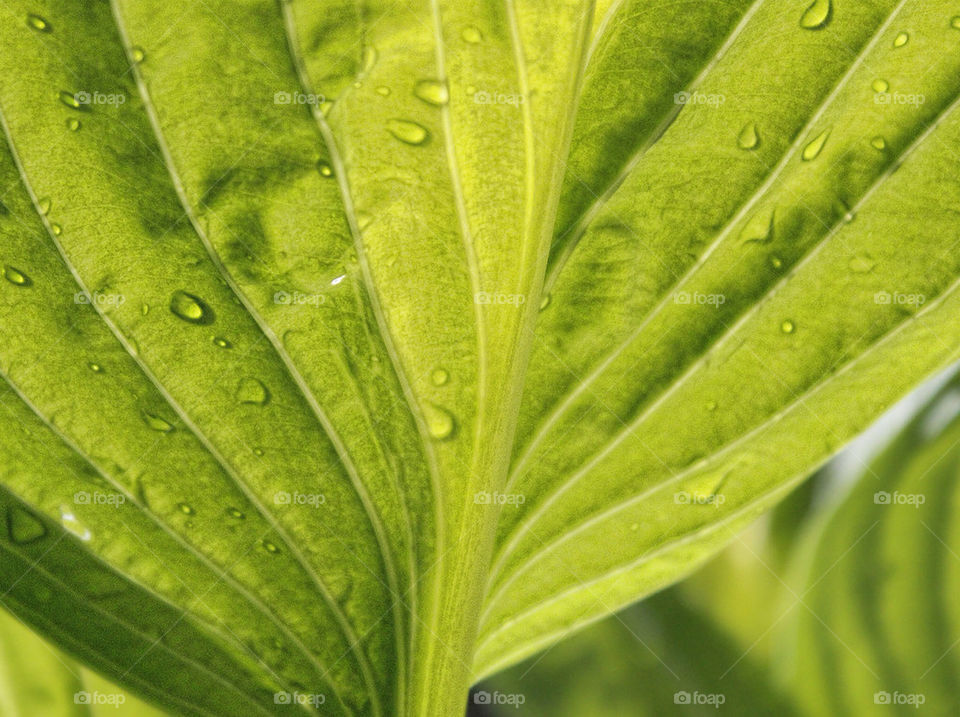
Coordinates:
[862,264]
[222,342]
[56,229]
[44,204]
[325,169]
[776,262]
[95,367]
[138,54]
[383,90]
[440,422]
[407,131]
[70,100]
[788,327]
[370,56]
[15,276]
[190,308]
[901,40]
[35,22]
[759,228]
[236,513]
[269,547]
[817,15]
[73,124]
[880,85]
[156,423]
[71,523]
[186,508]
[432,92]
[472,35]
[711,405]
[955,22]
[545,301]
[363,220]
[878,142]
[439,377]
[252,391]
[749,137]
[24,527]
[813,149]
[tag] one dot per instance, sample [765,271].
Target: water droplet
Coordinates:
[472,35]
[190,308]
[72,524]
[759,228]
[432,92]
[901,40]
[44,203]
[862,264]
[73,124]
[818,15]
[24,527]
[955,22]
[156,423]
[711,405]
[337,280]
[363,220]
[635,527]
[749,138]
[144,309]
[56,229]
[813,149]
[440,422]
[880,85]
[788,327]
[325,169]
[252,391]
[70,100]
[878,142]
[545,301]
[95,367]
[235,513]
[440,376]
[16,277]
[776,262]
[222,342]
[186,508]
[370,56]
[138,54]
[258,452]
[35,22]
[407,131]
[383,90]
[269,547]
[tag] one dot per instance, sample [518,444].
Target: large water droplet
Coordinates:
[70,100]
[878,142]
[432,92]
[407,131]
[16,277]
[472,35]
[440,422]
[156,423]
[252,391]
[759,228]
[880,85]
[73,524]
[813,149]
[24,527]
[44,204]
[190,308]
[56,229]
[817,15]
[901,39]
[35,22]
[439,377]
[749,137]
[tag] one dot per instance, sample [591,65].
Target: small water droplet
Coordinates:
[73,124]
[440,422]
[258,452]
[95,367]
[439,377]
[635,527]
[16,277]
[56,229]
[337,280]
[776,262]
[813,149]
[759,228]
[222,342]
[24,527]
[383,90]
[749,137]
[472,35]
[155,423]
[432,92]
[862,264]
[190,308]
[269,547]
[902,39]
[35,22]
[788,327]
[407,131]
[138,54]
[880,85]
[878,142]
[252,391]
[545,301]
[370,56]
[235,513]
[186,508]
[325,169]
[70,100]
[72,524]
[955,22]
[363,220]
[44,204]
[817,15]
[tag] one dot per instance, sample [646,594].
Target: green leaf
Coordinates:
[880,623]
[284,427]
